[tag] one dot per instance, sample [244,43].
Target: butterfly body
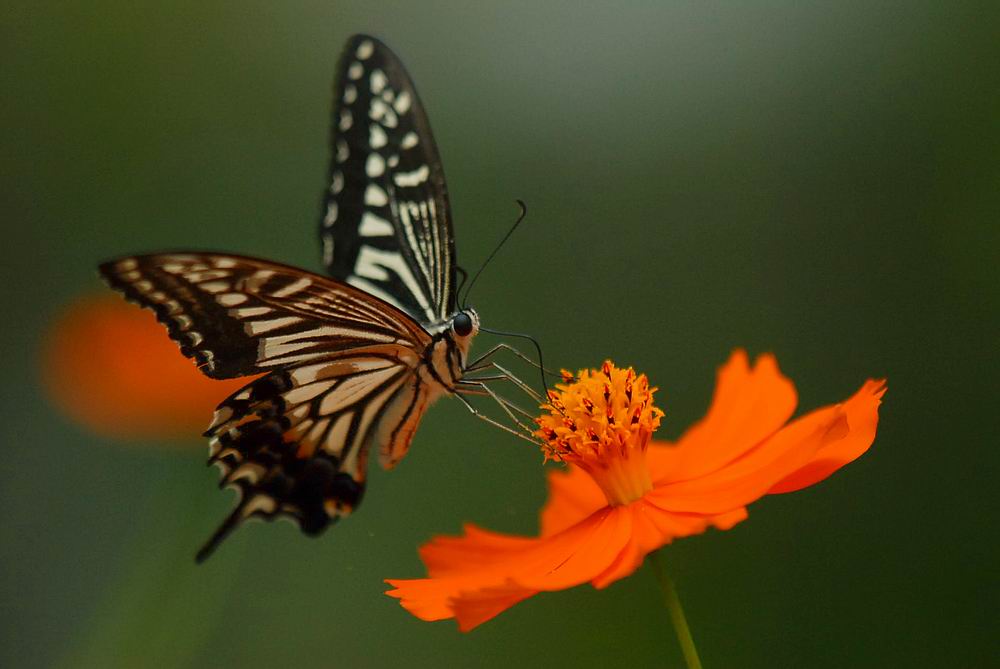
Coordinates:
[346,363]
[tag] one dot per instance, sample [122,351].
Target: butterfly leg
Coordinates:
[507,375]
[505,404]
[478,386]
[483,361]
[495,423]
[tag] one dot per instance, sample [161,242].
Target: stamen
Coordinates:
[582,426]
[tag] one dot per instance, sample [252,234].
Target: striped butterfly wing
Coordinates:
[386,226]
[339,375]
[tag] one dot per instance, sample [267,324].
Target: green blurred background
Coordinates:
[819,180]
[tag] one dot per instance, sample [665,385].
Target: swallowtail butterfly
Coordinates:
[348,363]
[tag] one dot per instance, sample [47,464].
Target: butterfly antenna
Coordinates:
[231,522]
[524,212]
[538,347]
[463,277]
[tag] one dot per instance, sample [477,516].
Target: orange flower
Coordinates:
[623,495]
[111,367]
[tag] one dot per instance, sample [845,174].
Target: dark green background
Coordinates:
[819,180]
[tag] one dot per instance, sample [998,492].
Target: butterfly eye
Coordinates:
[462,325]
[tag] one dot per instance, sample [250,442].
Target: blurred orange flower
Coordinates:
[623,495]
[111,367]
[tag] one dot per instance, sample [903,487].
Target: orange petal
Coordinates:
[573,496]
[445,556]
[728,520]
[483,573]
[580,553]
[749,405]
[111,367]
[427,598]
[472,610]
[651,528]
[862,418]
[759,470]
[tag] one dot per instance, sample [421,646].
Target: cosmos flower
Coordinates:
[109,366]
[623,495]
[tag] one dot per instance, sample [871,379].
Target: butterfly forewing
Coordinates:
[238,316]
[386,224]
[340,376]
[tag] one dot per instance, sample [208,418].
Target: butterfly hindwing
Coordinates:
[295,442]
[386,224]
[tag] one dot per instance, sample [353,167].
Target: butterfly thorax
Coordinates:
[445,358]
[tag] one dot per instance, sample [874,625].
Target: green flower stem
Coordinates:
[673,604]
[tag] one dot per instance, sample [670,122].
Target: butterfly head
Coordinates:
[465,325]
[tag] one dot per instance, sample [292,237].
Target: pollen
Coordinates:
[602,422]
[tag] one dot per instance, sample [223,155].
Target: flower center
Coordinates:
[601,421]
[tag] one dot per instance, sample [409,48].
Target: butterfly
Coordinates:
[348,362]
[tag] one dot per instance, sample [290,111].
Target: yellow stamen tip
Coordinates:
[602,422]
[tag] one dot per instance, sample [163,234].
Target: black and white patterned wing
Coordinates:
[295,442]
[386,224]
[239,316]
[339,377]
